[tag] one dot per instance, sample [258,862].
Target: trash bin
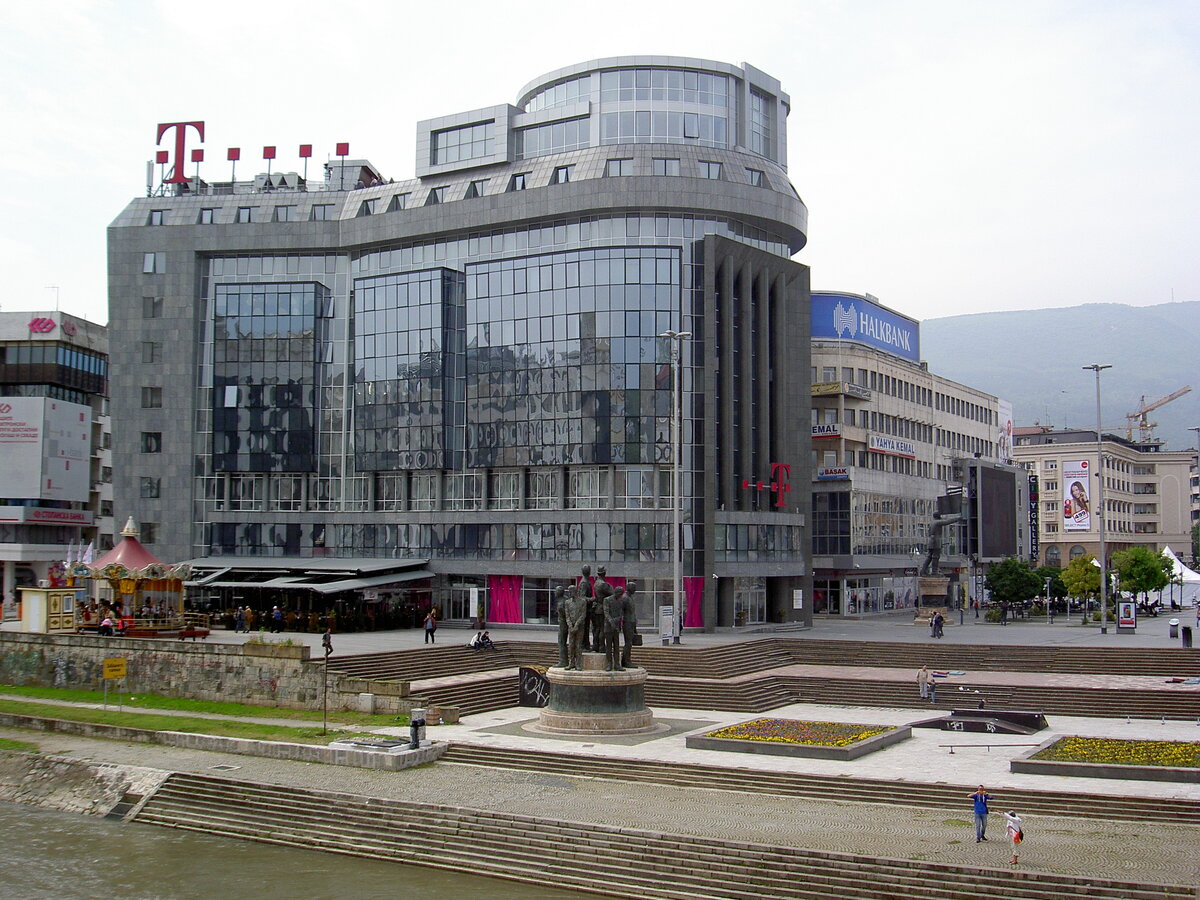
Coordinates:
[1174,623]
[1187,637]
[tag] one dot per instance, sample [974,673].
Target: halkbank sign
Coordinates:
[849,317]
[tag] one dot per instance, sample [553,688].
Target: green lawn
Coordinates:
[7,744]
[152,722]
[213,707]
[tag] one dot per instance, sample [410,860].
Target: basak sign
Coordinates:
[174,136]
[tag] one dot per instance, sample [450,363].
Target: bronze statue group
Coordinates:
[594,616]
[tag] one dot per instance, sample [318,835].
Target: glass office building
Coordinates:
[465,372]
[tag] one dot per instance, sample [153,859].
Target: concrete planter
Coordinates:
[1026,765]
[812,751]
[275,651]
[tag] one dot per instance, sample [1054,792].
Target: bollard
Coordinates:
[416,733]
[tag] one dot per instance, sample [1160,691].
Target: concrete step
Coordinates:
[935,796]
[622,862]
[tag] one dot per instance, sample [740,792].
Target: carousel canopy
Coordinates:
[129,559]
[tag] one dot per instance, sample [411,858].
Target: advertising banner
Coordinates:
[1126,615]
[849,318]
[1004,429]
[892,446]
[47,447]
[1077,495]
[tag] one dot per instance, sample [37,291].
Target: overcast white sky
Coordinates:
[955,156]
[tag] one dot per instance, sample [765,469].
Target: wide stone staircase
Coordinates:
[820,787]
[746,676]
[624,862]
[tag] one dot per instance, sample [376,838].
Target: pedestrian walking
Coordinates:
[327,642]
[932,690]
[923,682]
[430,628]
[939,622]
[1012,828]
[980,799]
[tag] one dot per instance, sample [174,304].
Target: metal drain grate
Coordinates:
[225,768]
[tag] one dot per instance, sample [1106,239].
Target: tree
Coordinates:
[1142,570]
[1013,581]
[1081,577]
[1058,590]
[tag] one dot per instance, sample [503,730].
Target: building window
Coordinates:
[152,442]
[635,488]
[158,217]
[755,176]
[462,490]
[457,144]
[285,214]
[562,174]
[322,212]
[151,351]
[556,137]
[398,202]
[152,307]
[106,508]
[542,490]
[504,490]
[422,493]
[666,167]
[710,170]
[617,167]
[150,488]
[245,214]
[762,124]
[475,189]
[366,208]
[207,216]
[587,489]
[153,263]
[149,533]
[436,195]
[151,398]
[518,182]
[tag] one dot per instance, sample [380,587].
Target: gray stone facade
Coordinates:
[518,425]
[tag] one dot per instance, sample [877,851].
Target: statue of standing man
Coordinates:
[576,609]
[628,623]
[561,610]
[613,601]
[603,590]
[588,595]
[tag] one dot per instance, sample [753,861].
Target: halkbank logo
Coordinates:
[844,320]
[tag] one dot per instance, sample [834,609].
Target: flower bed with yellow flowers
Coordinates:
[1124,753]
[1114,758]
[795,737]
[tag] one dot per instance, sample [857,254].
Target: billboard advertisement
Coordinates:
[1077,495]
[1004,429]
[997,524]
[849,318]
[46,445]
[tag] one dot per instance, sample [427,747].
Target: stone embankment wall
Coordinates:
[265,674]
[72,785]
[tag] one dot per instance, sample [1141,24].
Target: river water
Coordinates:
[52,854]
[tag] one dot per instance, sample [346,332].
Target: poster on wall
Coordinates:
[1077,496]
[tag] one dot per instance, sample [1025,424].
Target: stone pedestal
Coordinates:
[595,701]
[933,589]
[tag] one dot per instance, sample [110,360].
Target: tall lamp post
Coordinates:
[1097,368]
[677,338]
[1195,428]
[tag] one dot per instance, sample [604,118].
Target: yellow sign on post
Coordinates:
[114,667]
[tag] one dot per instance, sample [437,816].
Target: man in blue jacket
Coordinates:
[981,798]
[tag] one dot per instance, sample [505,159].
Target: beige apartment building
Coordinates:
[1146,493]
[889,438]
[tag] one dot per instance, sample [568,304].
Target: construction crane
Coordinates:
[1138,416]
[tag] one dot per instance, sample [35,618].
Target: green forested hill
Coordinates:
[1034,359]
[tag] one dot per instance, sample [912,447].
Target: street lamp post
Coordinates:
[1097,368]
[677,338]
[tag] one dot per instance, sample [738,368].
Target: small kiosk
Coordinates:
[50,610]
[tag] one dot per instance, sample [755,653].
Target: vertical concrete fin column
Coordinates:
[745,338]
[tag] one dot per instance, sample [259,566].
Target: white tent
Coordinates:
[1181,577]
